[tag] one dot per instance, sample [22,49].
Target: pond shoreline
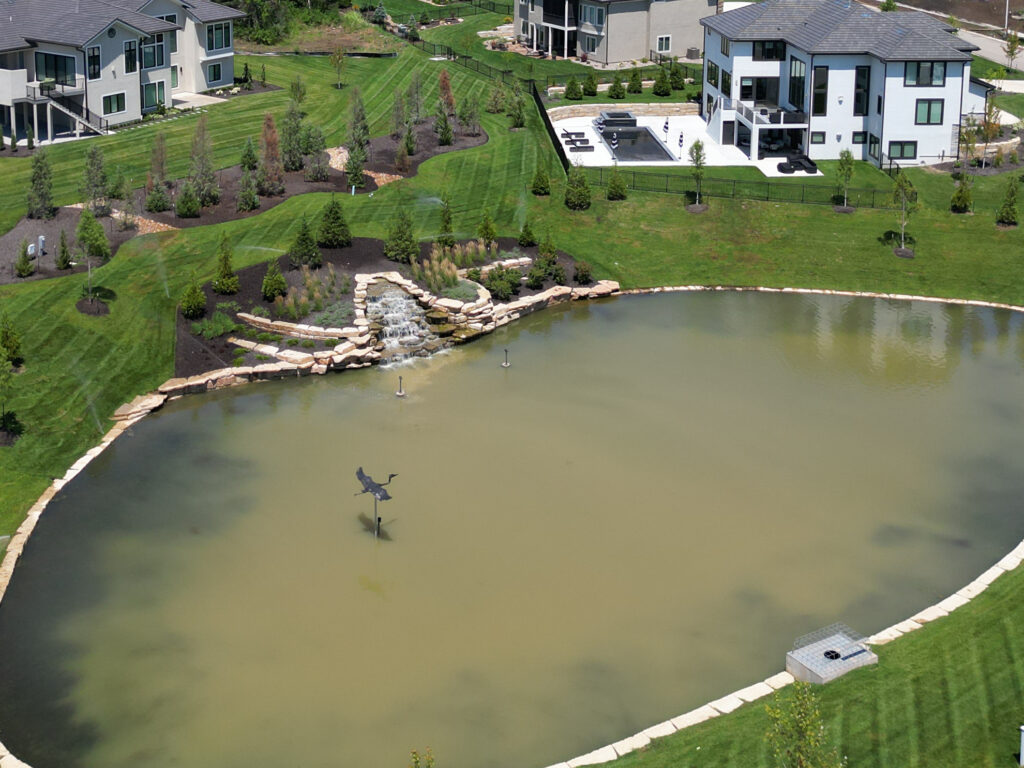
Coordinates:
[130,414]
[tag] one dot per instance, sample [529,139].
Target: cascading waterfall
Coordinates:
[403,329]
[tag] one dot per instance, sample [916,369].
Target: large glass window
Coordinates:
[131,56]
[213,73]
[591,14]
[58,68]
[727,84]
[153,51]
[903,150]
[712,74]
[92,67]
[174,76]
[873,144]
[113,103]
[819,87]
[861,91]
[769,50]
[797,83]
[218,36]
[925,73]
[725,45]
[928,112]
[152,95]
[172,37]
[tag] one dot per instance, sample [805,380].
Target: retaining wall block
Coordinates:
[781,680]
[953,602]
[625,746]
[929,614]
[727,704]
[659,730]
[755,691]
[602,755]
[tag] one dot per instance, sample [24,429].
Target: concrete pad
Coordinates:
[780,680]
[929,614]
[602,755]
[694,716]
[727,704]
[755,691]
[659,730]
[624,747]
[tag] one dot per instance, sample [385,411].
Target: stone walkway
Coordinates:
[339,156]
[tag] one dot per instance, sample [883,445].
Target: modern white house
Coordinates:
[821,76]
[94,64]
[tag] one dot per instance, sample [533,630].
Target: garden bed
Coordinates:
[383,149]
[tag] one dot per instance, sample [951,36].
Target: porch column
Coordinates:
[35,121]
[565,33]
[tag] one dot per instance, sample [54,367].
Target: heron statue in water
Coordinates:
[378,492]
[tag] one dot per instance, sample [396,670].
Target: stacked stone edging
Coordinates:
[676,109]
[133,412]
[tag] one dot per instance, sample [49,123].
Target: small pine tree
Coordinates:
[963,198]
[541,185]
[380,14]
[577,190]
[526,236]
[573,92]
[1008,210]
[10,339]
[443,126]
[410,141]
[401,158]
[358,126]
[248,199]
[274,284]
[157,199]
[616,185]
[91,238]
[40,192]
[304,250]
[486,230]
[662,86]
[30,138]
[297,90]
[354,167]
[270,179]
[333,231]
[445,238]
[677,76]
[617,90]
[201,173]
[517,109]
[24,267]
[401,245]
[411,30]
[226,281]
[63,258]
[291,139]
[590,85]
[94,182]
[193,300]
[118,187]
[249,158]
[187,205]
[635,83]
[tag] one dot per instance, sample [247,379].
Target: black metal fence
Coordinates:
[741,189]
[549,126]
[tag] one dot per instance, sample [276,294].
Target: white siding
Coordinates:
[900,110]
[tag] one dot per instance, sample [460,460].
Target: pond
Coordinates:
[638,516]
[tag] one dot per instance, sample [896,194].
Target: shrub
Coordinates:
[1012,158]
[24,267]
[537,275]
[193,301]
[486,230]
[547,247]
[541,185]
[333,231]
[1008,210]
[248,200]
[304,251]
[577,191]
[10,339]
[616,186]
[30,138]
[677,76]
[117,189]
[590,85]
[999,158]
[187,204]
[474,274]
[962,197]
[573,92]
[526,236]
[582,273]
[557,273]
[636,85]
[216,325]
[226,282]
[496,101]
[274,284]
[401,245]
[617,90]
[157,199]
[63,252]
[502,282]
[662,87]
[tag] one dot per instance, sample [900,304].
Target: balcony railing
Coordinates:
[559,20]
[762,113]
[39,90]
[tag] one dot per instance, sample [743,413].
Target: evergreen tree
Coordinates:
[963,199]
[401,158]
[889,6]
[380,14]
[30,138]
[410,141]
[249,159]
[248,199]
[7,423]
[590,85]
[398,118]
[118,187]
[677,76]
[63,260]
[333,231]
[291,139]
[445,238]
[443,126]
[401,245]
[577,190]
[270,179]
[24,267]
[193,300]
[617,89]
[201,173]
[1008,210]
[616,185]
[541,185]
[274,284]
[635,83]
[414,98]
[662,86]
[312,140]
[92,240]
[526,236]
[358,127]
[354,167]
[226,281]
[573,92]
[40,192]
[94,181]
[486,230]
[297,90]
[10,339]
[444,89]
[157,198]
[187,205]
[411,30]
[516,108]
[304,250]
[317,168]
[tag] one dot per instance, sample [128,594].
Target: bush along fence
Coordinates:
[738,189]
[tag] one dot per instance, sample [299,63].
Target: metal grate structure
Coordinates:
[828,653]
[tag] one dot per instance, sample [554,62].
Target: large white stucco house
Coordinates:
[821,76]
[87,65]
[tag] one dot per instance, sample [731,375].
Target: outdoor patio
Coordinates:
[692,128]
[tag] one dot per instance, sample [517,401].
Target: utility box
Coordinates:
[822,656]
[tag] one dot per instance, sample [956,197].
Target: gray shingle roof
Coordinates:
[202,10]
[843,26]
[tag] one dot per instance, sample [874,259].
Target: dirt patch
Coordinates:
[988,170]
[384,149]
[843,209]
[903,253]
[30,229]
[694,208]
[96,308]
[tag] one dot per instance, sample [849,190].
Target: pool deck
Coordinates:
[692,127]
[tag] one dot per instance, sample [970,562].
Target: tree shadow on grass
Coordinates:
[11,428]
[892,237]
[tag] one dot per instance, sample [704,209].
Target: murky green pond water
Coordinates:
[639,515]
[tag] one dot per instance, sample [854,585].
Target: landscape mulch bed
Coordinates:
[988,170]
[195,354]
[30,229]
[256,88]
[384,149]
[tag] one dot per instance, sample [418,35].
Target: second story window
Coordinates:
[92,66]
[591,14]
[861,91]
[712,74]
[819,86]
[131,56]
[153,51]
[769,50]
[797,83]
[172,37]
[725,45]
[925,73]
[218,36]
[928,112]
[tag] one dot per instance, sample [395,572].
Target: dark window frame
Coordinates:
[916,67]
[903,145]
[131,56]
[725,89]
[797,83]
[861,95]
[819,91]
[713,78]
[93,63]
[860,137]
[874,146]
[769,50]
[930,103]
[63,69]
[724,46]
[121,101]
[817,137]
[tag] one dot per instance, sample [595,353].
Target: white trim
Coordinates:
[108,95]
[124,56]
[160,43]
[210,80]
[657,44]
[159,102]
[210,28]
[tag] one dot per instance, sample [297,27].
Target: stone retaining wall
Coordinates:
[131,413]
[676,109]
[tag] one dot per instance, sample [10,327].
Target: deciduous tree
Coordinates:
[844,170]
[697,159]
[270,179]
[905,198]
[796,733]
